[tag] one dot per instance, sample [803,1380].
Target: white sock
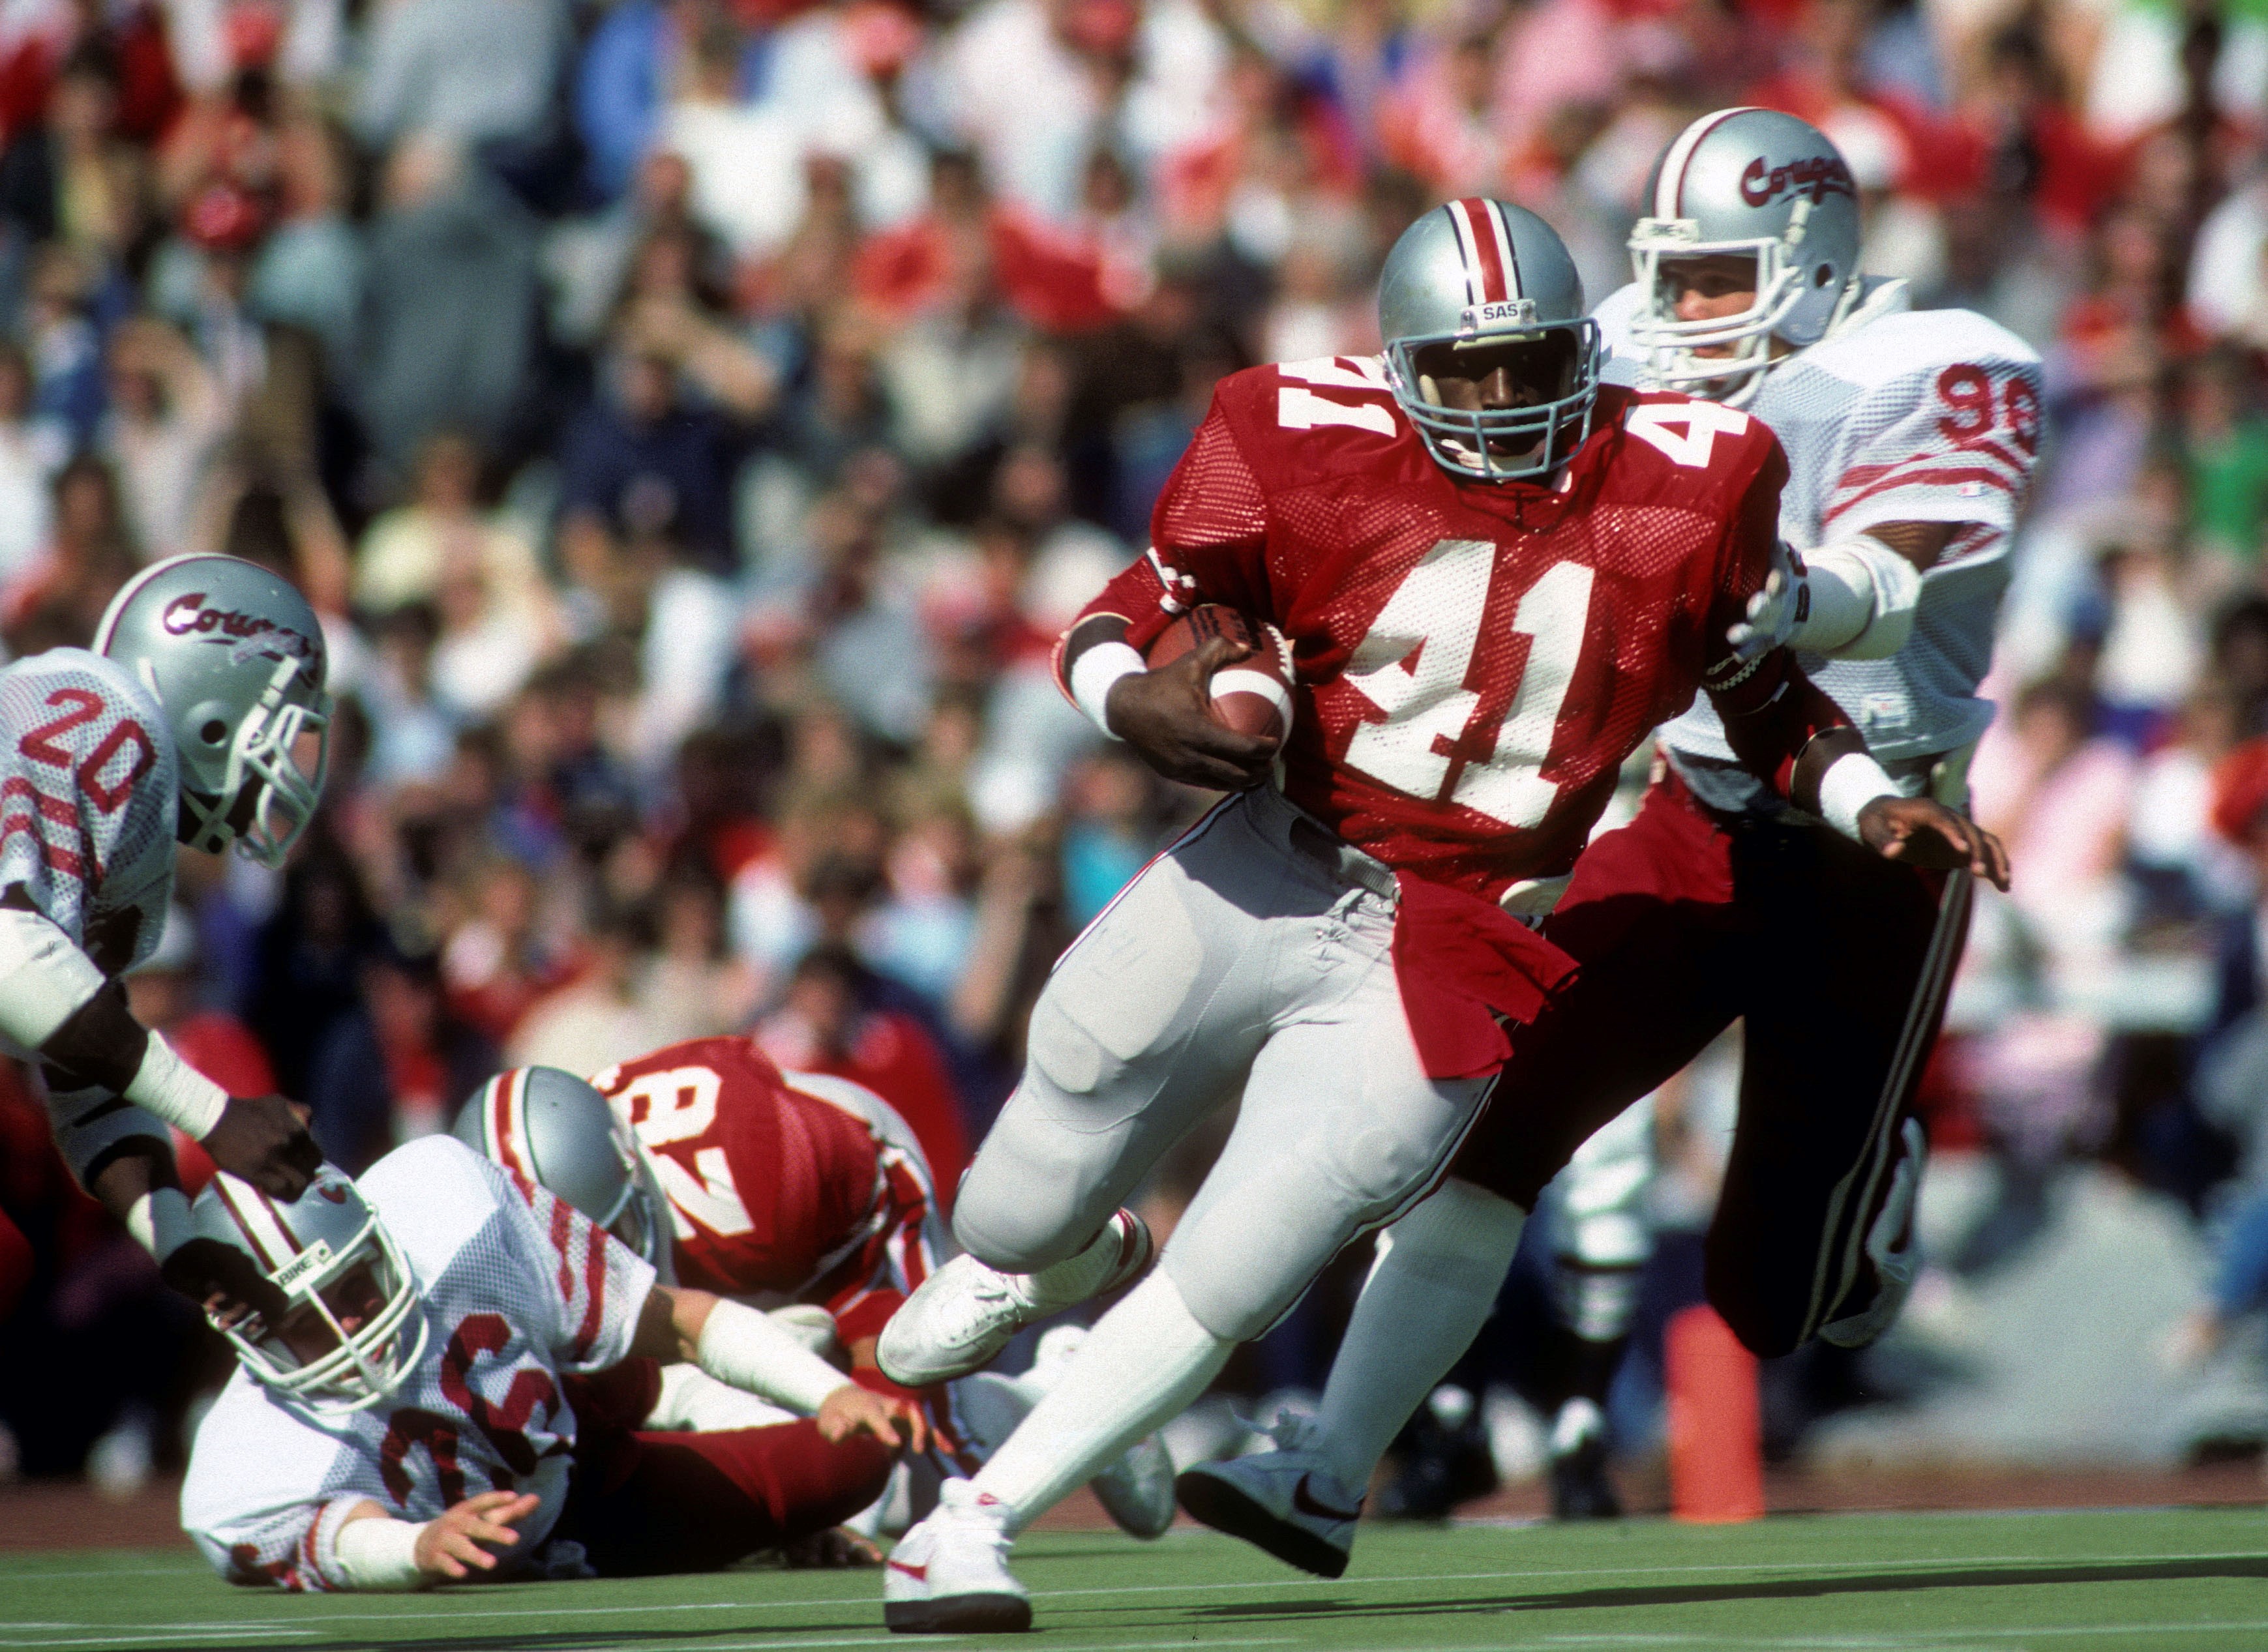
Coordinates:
[1144,1362]
[1067,1283]
[1435,1281]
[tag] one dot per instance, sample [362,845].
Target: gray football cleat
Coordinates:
[1287,1502]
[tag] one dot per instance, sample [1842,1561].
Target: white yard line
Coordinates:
[308,1624]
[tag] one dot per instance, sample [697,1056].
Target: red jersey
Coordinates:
[811,1190]
[1474,659]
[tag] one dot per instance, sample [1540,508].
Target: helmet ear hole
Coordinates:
[1825,273]
[213,731]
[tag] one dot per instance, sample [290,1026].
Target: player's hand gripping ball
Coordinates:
[1252,695]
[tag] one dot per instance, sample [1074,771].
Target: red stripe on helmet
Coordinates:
[267,1264]
[1488,257]
[503,1092]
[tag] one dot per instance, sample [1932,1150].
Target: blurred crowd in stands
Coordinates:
[696,419]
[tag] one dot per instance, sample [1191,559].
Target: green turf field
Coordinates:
[2196,1580]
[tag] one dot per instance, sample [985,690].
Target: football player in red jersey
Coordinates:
[1911,437]
[1496,577]
[775,1188]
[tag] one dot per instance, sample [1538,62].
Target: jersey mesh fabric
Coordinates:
[519,1290]
[779,1192]
[89,784]
[1909,416]
[1367,554]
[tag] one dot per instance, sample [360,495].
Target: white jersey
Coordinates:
[1898,415]
[89,785]
[517,1289]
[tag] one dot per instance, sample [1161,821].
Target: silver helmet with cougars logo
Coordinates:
[352,1330]
[1485,275]
[1755,184]
[235,656]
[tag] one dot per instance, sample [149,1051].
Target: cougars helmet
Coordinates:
[235,657]
[1752,183]
[352,1330]
[558,1132]
[1485,275]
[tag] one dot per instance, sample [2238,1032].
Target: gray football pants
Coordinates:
[1254,956]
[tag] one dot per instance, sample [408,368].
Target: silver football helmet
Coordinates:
[558,1132]
[1479,274]
[353,1330]
[235,656]
[1751,183]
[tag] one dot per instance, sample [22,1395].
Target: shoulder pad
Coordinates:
[1297,422]
[1680,443]
[1912,344]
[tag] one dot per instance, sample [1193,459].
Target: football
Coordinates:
[1254,695]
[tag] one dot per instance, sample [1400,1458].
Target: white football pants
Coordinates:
[1254,956]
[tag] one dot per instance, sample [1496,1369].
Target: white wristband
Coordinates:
[169,1087]
[159,1221]
[1093,672]
[1851,782]
[743,1347]
[379,1553]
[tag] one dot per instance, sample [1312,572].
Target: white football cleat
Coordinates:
[1287,1502]
[949,1575]
[965,1313]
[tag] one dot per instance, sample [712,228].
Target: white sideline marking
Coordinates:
[303,1624]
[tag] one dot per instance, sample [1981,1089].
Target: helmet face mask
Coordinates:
[1472,287]
[1747,183]
[353,1329]
[263,777]
[235,657]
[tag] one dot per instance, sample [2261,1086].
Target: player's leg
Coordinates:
[1136,1488]
[1600,1239]
[1845,1003]
[1340,1128]
[650,1503]
[1647,917]
[1149,1021]
[16,1263]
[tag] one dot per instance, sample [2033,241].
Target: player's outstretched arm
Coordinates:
[1164,715]
[376,1551]
[54,1000]
[1853,599]
[738,1346]
[138,1183]
[1836,778]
